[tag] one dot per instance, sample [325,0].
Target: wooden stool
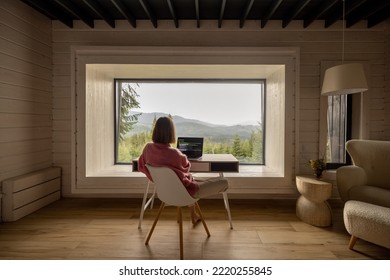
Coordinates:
[312,207]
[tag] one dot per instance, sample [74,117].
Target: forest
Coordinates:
[246,150]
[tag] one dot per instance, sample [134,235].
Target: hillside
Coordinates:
[190,127]
[147,119]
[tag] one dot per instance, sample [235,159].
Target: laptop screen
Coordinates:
[192,147]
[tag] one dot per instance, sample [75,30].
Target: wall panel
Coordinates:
[25,90]
[316,44]
[35,68]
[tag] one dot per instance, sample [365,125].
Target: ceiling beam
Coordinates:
[221,13]
[124,10]
[148,10]
[95,6]
[197,13]
[349,8]
[326,6]
[68,12]
[245,12]
[76,12]
[173,12]
[378,17]
[299,7]
[270,12]
[50,12]
[366,12]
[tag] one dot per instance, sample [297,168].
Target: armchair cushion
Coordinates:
[371,194]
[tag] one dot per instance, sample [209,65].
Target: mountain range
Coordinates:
[193,128]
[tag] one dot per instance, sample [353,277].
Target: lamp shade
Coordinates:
[344,79]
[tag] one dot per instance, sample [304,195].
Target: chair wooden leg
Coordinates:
[227,207]
[352,242]
[153,197]
[141,215]
[179,212]
[202,219]
[154,223]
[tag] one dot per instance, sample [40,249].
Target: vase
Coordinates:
[318,174]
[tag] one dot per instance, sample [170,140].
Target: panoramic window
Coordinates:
[228,114]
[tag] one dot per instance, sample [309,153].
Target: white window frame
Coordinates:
[89,175]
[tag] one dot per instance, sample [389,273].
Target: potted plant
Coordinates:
[318,166]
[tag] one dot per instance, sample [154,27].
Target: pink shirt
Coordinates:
[157,154]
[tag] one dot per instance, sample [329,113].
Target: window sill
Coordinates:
[251,171]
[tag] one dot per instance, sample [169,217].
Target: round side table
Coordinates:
[312,206]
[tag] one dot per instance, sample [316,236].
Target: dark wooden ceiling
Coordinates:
[372,12]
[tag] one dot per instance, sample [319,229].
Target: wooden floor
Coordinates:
[108,229]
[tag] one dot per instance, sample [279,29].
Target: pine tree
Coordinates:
[257,150]
[236,146]
[128,101]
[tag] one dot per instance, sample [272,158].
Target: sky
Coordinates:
[222,103]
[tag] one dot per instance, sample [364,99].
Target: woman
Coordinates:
[160,153]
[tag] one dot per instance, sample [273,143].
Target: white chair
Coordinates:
[172,192]
[150,201]
[146,202]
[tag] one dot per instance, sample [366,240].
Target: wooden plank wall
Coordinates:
[35,66]
[25,90]
[316,44]
[387,83]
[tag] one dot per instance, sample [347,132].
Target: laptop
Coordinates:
[192,147]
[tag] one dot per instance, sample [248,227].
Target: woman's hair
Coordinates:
[164,131]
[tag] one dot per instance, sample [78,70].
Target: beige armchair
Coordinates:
[368,179]
[365,187]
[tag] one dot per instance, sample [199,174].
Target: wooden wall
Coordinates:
[386,107]
[25,90]
[316,44]
[35,66]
